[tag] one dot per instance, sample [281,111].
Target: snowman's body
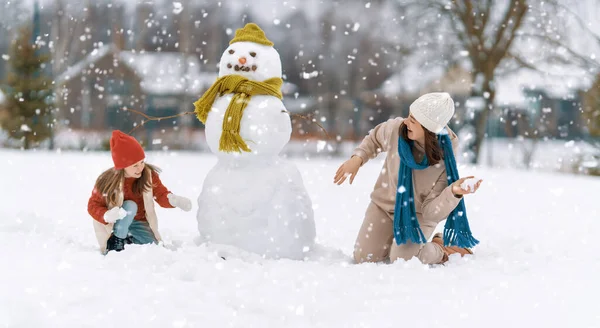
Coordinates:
[255,200]
[265,126]
[257,205]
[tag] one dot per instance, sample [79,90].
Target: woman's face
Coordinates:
[135,170]
[416,132]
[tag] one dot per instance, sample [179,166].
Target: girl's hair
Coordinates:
[433,150]
[109,182]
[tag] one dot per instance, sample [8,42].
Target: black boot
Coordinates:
[115,243]
[129,240]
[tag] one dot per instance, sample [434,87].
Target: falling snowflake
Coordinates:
[321,145]
[177,8]
[310,75]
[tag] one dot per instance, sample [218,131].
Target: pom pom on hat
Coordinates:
[433,110]
[125,150]
[251,33]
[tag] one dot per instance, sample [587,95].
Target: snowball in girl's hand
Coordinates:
[469,184]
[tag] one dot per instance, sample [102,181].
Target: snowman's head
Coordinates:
[254,61]
[251,55]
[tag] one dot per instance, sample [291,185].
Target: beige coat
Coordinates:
[103,232]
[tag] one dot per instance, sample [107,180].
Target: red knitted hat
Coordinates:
[125,150]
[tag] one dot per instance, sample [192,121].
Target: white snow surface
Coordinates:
[537,264]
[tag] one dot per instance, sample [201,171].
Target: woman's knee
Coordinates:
[360,256]
[374,237]
[431,253]
[404,251]
[428,254]
[370,252]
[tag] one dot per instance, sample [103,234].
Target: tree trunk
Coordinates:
[528,153]
[27,142]
[481,118]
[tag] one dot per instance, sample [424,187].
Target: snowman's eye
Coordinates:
[231,51]
[253,54]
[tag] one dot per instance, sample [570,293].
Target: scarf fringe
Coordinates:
[232,142]
[462,239]
[457,231]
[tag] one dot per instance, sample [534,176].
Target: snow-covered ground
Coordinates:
[537,264]
[566,156]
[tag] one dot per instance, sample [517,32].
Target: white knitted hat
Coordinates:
[433,110]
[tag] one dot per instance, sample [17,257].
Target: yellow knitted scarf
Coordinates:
[243,90]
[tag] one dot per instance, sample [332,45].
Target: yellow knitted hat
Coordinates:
[251,33]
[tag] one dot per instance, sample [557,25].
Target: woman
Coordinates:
[418,187]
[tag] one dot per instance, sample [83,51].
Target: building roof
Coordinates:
[161,73]
[168,72]
[86,62]
[510,88]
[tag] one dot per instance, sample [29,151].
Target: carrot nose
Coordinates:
[242,60]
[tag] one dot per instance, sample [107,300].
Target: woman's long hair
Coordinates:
[109,183]
[433,150]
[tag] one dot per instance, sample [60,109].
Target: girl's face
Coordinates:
[135,170]
[416,132]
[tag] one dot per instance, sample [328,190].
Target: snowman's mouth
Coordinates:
[243,68]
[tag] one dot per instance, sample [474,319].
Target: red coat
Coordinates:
[97,203]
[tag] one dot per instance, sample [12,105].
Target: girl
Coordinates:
[419,179]
[122,202]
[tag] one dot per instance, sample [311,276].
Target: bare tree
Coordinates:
[493,38]
[591,108]
[484,31]
[569,43]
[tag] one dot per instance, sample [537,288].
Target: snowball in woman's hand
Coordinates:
[469,184]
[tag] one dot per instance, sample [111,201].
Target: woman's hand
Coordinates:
[349,168]
[457,190]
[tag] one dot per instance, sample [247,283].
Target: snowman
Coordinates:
[252,198]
